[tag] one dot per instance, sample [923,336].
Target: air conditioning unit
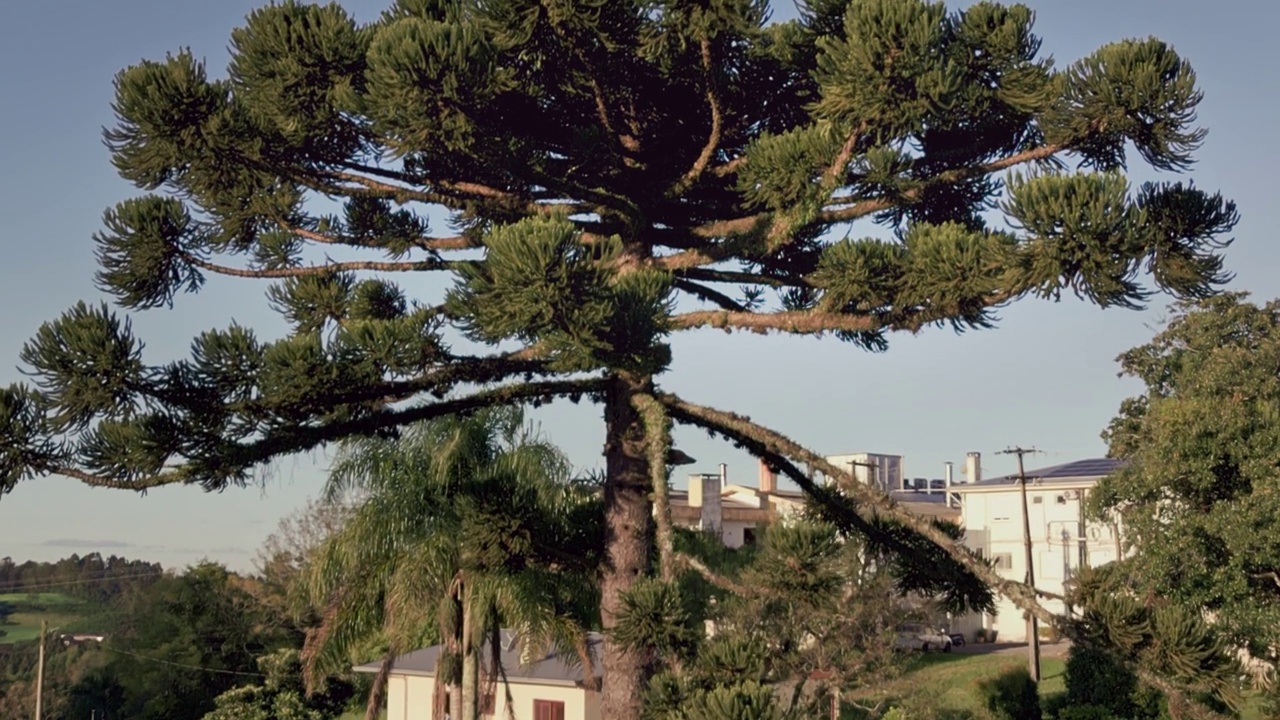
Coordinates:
[1071,494]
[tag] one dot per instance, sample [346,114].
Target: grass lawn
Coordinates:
[947,685]
[38,599]
[60,611]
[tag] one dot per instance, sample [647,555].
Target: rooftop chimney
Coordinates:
[768,479]
[695,490]
[712,512]
[973,467]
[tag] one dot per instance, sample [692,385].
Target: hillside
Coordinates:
[63,613]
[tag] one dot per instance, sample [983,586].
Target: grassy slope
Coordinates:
[946,685]
[60,611]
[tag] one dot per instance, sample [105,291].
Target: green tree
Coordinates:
[181,641]
[465,526]
[280,695]
[1198,500]
[283,554]
[808,617]
[611,173]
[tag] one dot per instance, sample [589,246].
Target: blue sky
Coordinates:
[1045,377]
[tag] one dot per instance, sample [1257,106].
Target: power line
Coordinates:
[183,665]
[5,590]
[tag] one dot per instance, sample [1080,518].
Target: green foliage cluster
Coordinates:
[1168,646]
[178,645]
[458,529]
[1012,695]
[1197,497]
[1101,686]
[280,695]
[89,577]
[802,616]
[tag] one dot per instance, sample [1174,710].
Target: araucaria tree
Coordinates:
[611,173]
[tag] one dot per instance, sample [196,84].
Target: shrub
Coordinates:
[1012,695]
[1085,712]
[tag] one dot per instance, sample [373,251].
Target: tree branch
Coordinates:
[657,437]
[458,242]
[795,321]
[313,270]
[812,322]
[711,576]
[871,206]
[755,225]
[831,178]
[717,121]
[871,502]
[706,293]
[730,167]
[741,278]
[278,443]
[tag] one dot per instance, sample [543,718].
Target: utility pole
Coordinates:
[44,628]
[1033,626]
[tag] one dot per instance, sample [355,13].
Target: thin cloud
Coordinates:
[76,543]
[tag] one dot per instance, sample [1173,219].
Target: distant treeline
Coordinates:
[90,577]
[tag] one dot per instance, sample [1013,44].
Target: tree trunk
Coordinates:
[628,515]
[470,662]
[377,694]
[453,645]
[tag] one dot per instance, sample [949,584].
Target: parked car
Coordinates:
[922,638]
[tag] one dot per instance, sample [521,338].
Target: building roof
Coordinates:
[553,669]
[1078,471]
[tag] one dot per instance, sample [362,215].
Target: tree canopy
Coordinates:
[1198,498]
[463,527]
[593,177]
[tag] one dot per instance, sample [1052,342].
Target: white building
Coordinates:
[552,688]
[1062,540]
[737,513]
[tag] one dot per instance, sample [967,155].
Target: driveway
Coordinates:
[1047,649]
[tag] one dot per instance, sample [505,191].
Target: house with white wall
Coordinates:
[1063,540]
[551,688]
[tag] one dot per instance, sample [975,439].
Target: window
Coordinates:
[1037,500]
[748,536]
[1002,561]
[548,710]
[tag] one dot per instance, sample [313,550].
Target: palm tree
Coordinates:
[463,525]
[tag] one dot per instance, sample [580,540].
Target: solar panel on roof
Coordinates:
[1092,467]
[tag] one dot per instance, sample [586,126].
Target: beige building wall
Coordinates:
[575,699]
[409,697]
[397,697]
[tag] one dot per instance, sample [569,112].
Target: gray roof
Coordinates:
[1076,471]
[553,669]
